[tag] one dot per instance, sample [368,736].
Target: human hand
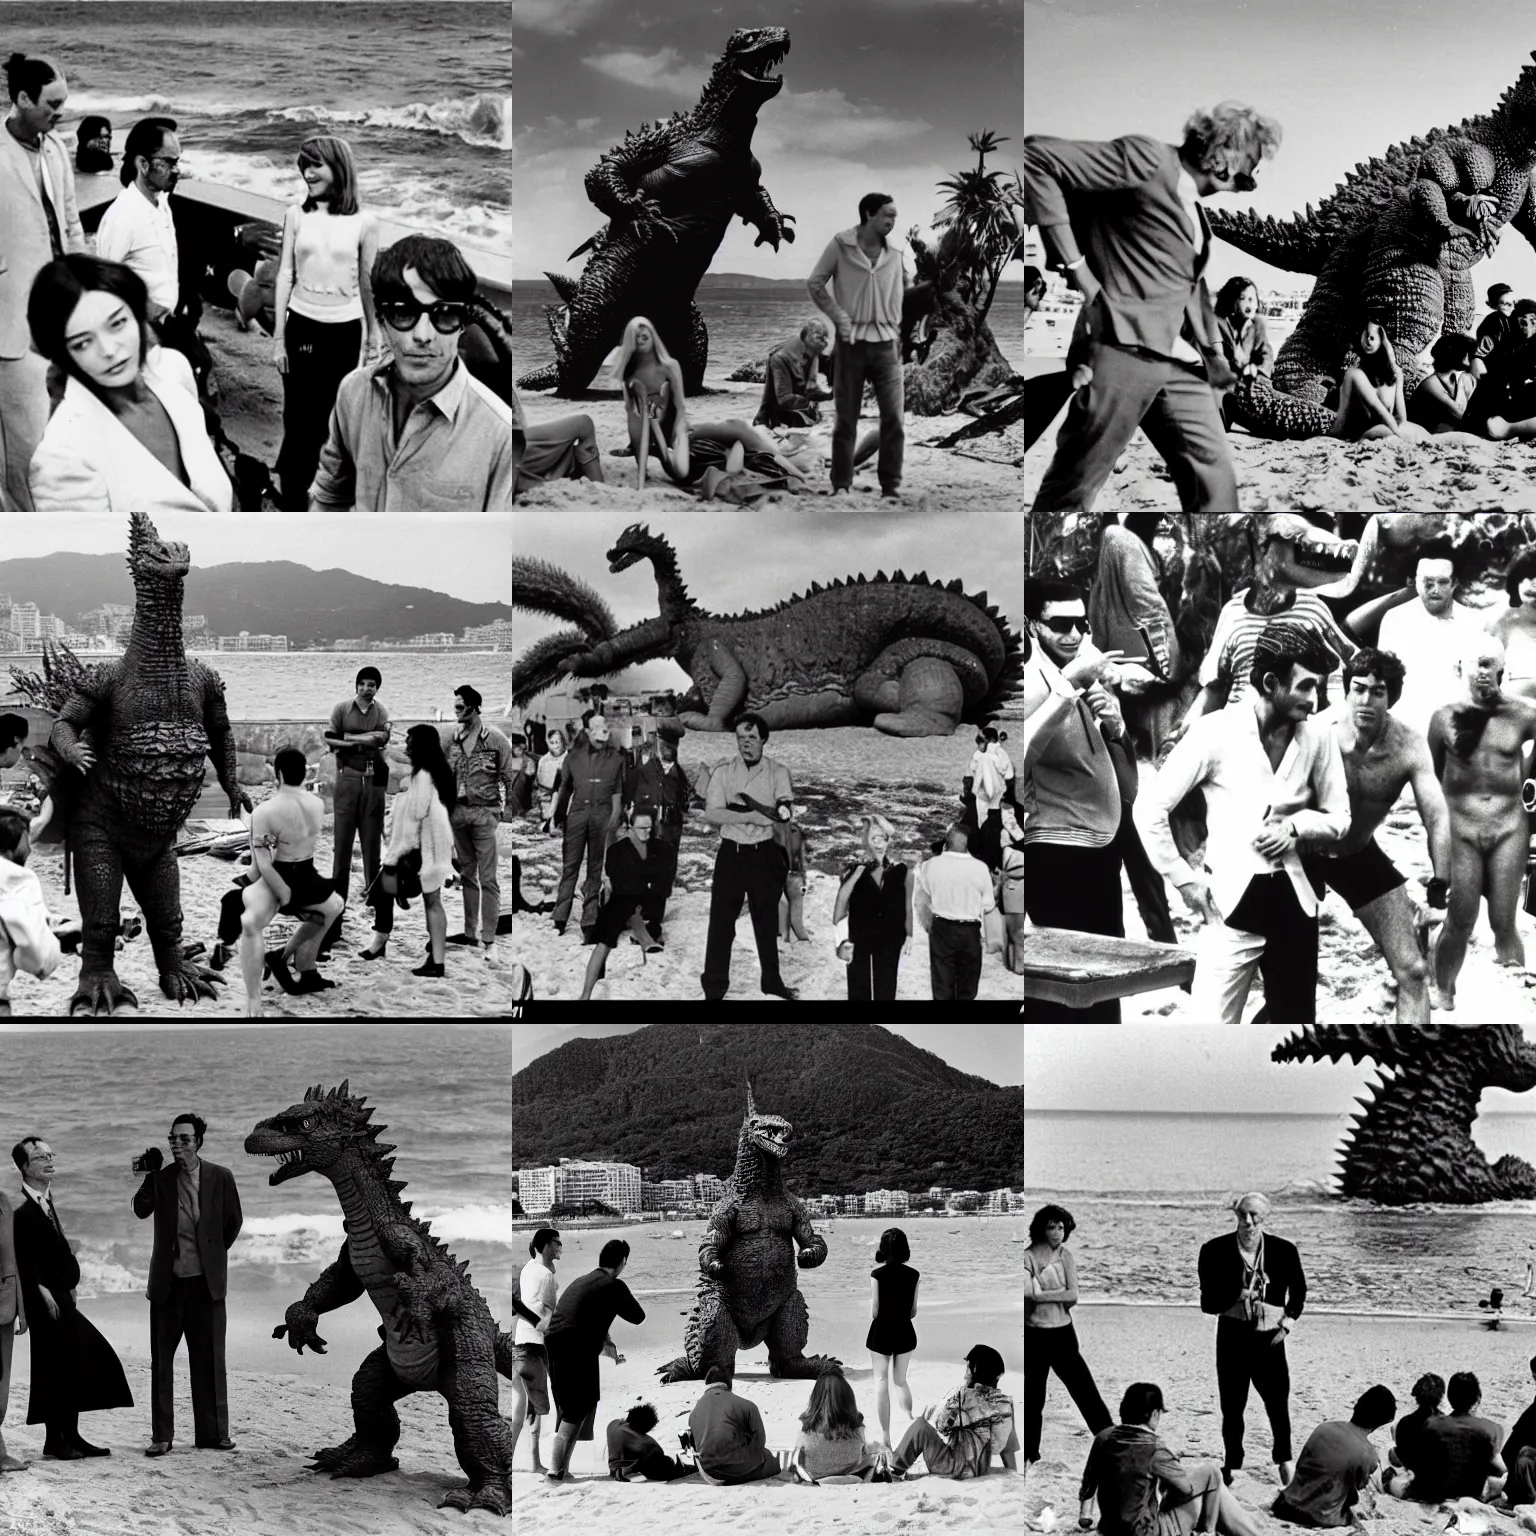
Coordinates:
[1276,840]
[1134,678]
[284,895]
[49,1302]
[280,355]
[1105,707]
[1083,670]
[845,332]
[1197,897]
[21,1326]
[1082,376]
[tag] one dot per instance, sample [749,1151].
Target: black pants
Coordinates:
[1289,962]
[954,959]
[189,1310]
[320,356]
[872,971]
[753,872]
[988,843]
[1055,1349]
[1244,1355]
[1147,885]
[1079,889]
[665,857]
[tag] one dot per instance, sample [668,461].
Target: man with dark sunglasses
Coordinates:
[418,432]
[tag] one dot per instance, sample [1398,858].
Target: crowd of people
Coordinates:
[861,285]
[560,1336]
[1437,696]
[621,810]
[395,369]
[1253,1282]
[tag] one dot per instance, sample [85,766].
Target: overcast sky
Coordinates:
[991,1051]
[736,561]
[1191,1068]
[1346,81]
[878,95]
[467,556]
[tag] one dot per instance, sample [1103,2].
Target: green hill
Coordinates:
[869,1109]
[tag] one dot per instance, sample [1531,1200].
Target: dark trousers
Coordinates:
[320,356]
[954,959]
[880,362]
[922,1439]
[1044,396]
[753,872]
[1171,403]
[1055,1349]
[655,908]
[189,1310]
[1244,1355]
[987,845]
[586,836]
[358,811]
[1147,885]
[1079,889]
[1289,962]
[872,971]
[1521,1486]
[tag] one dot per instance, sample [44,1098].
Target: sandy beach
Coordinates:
[1333,1359]
[980,475]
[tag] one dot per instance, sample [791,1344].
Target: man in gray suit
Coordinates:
[1124,221]
[197,1218]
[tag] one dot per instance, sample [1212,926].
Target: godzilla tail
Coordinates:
[538,667]
[1295,245]
[1255,403]
[546,377]
[539,587]
[563,285]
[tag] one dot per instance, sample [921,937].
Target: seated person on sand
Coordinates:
[284,830]
[1407,1453]
[1371,399]
[831,1440]
[959,1439]
[564,448]
[1244,341]
[1520,1457]
[1504,403]
[1142,1487]
[1496,330]
[1439,402]
[29,937]
[728,1435]
[792,389]
[1458,1451]
[1336,1464]
[630,873]
[632,1453]
[1476,744]
[657,418]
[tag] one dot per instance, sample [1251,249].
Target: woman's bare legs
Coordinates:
[899,1365]
[520,1410]
[589,457]
[880,1366]
[437,924]
[595,969]
[1360,410]
[735,431]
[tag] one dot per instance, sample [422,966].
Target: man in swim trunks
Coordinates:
[284,830]
[1381,755]
[1476,745]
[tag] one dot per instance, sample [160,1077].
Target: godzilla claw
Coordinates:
[189,983]
[494,1496]
[100,994]
[352,1460]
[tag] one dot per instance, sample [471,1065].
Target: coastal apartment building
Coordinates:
[575,1180]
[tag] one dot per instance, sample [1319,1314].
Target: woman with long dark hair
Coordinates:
[1243,337]
[1050,1293]
[891,1339]
[325,324]
[831,1439]
[421,827]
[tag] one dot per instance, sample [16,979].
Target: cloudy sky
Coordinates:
[738,561]
[991,1051]
[468,556]
[878,95]
[1345,81]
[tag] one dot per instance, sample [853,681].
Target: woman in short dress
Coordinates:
[13,1320]
[892,1338]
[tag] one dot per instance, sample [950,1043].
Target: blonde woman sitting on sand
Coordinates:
[657,419]
[1371,399]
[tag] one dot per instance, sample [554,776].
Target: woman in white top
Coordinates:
[547,774]
[323,308]
[1516,625]
[129,435]
[420,822]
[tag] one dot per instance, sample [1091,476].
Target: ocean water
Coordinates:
[101,1097]
[743,324]
[421,89]
[1147,1189]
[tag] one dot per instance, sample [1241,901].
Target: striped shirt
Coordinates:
[1230,656]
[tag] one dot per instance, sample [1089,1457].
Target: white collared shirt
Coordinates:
[142,235]
[42,1196]
[1222,753]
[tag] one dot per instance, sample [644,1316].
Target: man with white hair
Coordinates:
[1253,1282]
[791,387]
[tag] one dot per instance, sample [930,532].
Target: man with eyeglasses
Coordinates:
[138,230]
[197,1219]
[481,759]
[1071,851]
[418,432]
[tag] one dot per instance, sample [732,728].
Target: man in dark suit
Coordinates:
[1146,351]
[1253,1282]
[660,787]
[74,1369]
[197,1218]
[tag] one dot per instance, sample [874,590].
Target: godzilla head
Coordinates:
[768,1133]
[1295,553]
[752,59]
[312,1136]
[633,546]
[150,555]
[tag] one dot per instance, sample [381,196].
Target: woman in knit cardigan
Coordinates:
[13,1320]
[420,823]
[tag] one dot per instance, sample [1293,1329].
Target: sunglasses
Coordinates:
[1066,626]
[447,318]
[181,1141]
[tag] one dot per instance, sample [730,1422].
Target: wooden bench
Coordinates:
[1080,969]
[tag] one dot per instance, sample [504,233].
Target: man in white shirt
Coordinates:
[1429,635]
[951,897]
[1273,781]
[534,1305]
[989,777]
[137,229]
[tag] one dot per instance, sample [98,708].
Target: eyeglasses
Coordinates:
[1066,626]
[181,1141]
[447,318]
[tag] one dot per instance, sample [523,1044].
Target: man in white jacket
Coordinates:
[29,938]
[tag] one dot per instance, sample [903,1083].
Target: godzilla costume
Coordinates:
[670,192]
[1397,239]
[139,729]
[1412,1140]
[747,1289]
[438,1334]
[910,656]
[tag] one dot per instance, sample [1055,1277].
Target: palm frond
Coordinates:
[538,667]
[539,587]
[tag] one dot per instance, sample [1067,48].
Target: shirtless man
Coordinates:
[1476,746]
[284,830]
[1381,755]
